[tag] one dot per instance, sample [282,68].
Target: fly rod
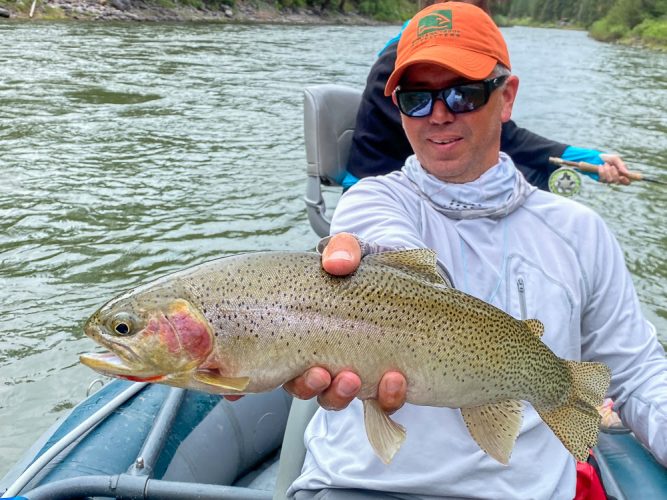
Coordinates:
[589,167]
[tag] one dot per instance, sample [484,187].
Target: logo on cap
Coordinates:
[439,20]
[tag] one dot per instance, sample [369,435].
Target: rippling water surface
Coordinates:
[132,150]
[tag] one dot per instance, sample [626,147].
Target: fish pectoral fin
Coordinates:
[420,262]
[211,377]
[494,427]
[385,435]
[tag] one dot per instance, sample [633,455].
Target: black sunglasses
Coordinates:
[462,98]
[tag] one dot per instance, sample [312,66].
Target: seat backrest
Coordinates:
[293,451]
[330,113]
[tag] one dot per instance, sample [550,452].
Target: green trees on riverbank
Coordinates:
[381,10]
[607,20]
[648,23]
[630,21]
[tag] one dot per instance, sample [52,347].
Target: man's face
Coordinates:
[456,148]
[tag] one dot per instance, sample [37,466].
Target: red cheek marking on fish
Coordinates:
[181,331]
[159,325]
[168,335]
[193,332]
[152,326]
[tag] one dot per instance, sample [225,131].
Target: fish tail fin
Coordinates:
[577,422]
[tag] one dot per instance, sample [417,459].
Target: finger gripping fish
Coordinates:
[251,322]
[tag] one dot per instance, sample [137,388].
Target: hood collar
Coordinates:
[496,193]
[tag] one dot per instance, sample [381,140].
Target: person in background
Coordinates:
[465,199]
[379,145]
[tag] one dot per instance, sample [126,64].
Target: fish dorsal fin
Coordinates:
[219,383]
[419,262]
[385,435]
[494,427]
[534,326]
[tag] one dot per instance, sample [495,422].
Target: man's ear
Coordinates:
[393,98]
[395,101]
[509,92]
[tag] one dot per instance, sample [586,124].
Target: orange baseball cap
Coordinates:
[455,35]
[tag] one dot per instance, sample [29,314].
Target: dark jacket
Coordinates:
[380,146]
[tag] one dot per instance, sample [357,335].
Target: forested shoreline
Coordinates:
[627,21]
[643,21]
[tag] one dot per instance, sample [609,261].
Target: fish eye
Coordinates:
[122,328]
[122,324]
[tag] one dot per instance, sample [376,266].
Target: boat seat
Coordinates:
[330,113]
[293,451]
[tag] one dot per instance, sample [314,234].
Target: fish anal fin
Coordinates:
[534,326]
[494,427]
[213,378]
[576,423]
[385,435]
[421,262]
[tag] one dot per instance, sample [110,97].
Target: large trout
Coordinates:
[249,323]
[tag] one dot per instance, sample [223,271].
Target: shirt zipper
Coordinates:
[522,297]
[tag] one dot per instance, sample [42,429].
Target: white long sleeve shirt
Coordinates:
[549,258]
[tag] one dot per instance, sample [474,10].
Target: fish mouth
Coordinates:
[126,365]
[107,363]
[94,331]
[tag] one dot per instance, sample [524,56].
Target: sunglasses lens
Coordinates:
[415,103]
[466,98]
[459,99]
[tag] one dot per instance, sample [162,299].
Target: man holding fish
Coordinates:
[500,391]
[529,253]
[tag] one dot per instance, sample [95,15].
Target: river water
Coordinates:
[132,150]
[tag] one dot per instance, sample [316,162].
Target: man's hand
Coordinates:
[338,393]
[341,257]
[614,170]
